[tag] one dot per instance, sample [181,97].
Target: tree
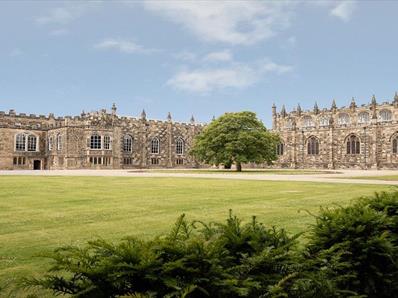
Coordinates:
[235,138]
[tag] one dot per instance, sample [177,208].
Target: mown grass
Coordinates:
[384,178]
[245,171]
[41,213]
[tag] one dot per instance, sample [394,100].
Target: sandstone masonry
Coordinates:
[97,140]
[361,137]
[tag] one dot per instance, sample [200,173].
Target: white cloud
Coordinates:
[344,10]
[219,56]
[186,56]
[237,75]
[65,14]
[234,22]
[124,46]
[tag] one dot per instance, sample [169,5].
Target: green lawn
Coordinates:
[40,213]
[385,178]
[245,171]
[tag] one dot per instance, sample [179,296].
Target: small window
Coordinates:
[128,161]
[127,143]
[59,142]
[289,124]
[15,161]
[154,161]
[308,122]
[180,146]
[32,143]
[107,142]
[353,145]
[324,121]
[280,149]
[95,142]
[395,145]
[179,161]
[343,119]
[20,142]
[385,115]
[313,146]
[363,117]
[155,146]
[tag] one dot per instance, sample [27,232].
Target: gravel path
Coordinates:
[318,177]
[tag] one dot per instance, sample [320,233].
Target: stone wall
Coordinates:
[374,125]
[74,133]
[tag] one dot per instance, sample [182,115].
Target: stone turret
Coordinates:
[192,120]
[373,107]
[283,111]
[316,108]
[334,106]
[353,105]
[143,115]
[299,110]
[114,109]
[169,117]
[396,99]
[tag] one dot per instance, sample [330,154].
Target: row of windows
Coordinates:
[19,161]
[353,146]
[342,119]
[100,161]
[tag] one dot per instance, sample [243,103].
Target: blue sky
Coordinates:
[201,58]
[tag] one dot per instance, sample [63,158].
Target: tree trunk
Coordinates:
[238,167]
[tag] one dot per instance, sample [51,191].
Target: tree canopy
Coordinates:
[235,138]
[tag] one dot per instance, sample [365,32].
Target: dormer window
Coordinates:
[308,122]
[385,115]
[324,121]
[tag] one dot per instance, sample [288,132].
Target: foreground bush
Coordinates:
[350,252]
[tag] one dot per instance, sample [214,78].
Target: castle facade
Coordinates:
[362,137]
[97,140]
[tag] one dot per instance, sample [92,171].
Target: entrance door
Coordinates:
[36,165]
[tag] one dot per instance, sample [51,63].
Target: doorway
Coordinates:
[37,165]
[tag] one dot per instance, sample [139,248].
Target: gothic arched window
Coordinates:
[127,143]
[155,146]
[353,145]
[395,144]
[180,146]
[343,119]
[308,122]
[363,117]
[289,123]
[385,115]
[313,146]
[280,148]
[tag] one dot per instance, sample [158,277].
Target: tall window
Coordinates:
[353,145]
[59,142]
[385,115]
[107,142]
[155,146]
[20,142]
[363,117]
[32,141]
[127,143]
[343,119]
[180,146]
[280,148]
[308,122]
[50,143]
[95,142]
[395,145]
[313,146]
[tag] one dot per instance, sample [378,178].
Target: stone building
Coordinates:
[97,140]
[360,137]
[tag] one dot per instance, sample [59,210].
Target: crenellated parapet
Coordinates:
[352,115]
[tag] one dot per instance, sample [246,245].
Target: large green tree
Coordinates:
[235,138]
